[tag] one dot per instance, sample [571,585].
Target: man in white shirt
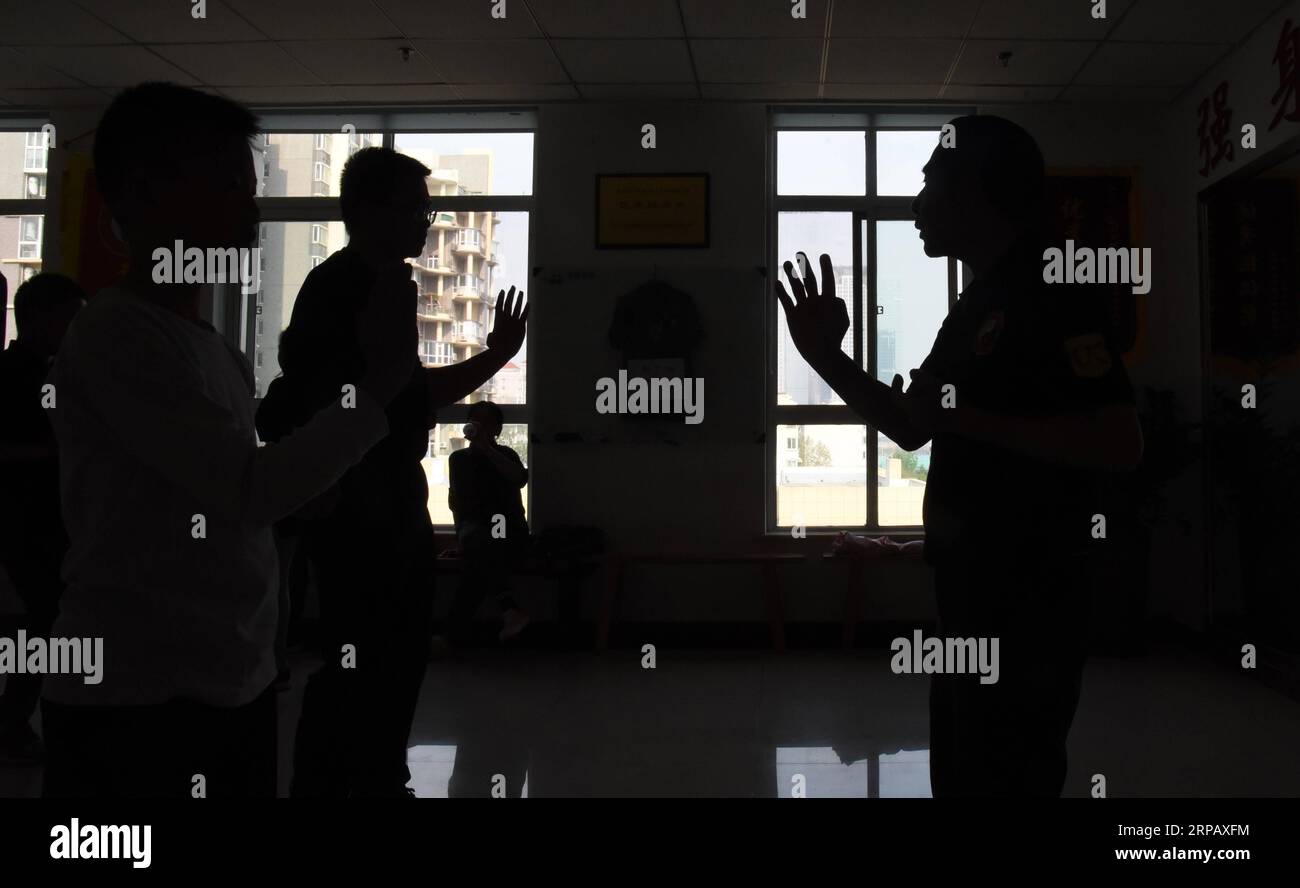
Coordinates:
[167,496]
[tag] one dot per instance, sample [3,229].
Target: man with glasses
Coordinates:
[374,549]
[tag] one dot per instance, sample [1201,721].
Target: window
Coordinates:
[843,184]
[23,156]
[478,243]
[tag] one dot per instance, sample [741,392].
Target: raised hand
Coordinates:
[817,319]
[511,322]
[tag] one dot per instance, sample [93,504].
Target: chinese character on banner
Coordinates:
[1214,136]
[1287,59]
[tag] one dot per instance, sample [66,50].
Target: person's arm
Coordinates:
[447,385]
[122,370]
[817,320]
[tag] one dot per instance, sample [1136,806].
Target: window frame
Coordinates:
[238,316]
[26,205]
[865,212]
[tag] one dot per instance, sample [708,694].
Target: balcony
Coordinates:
[467,286]
[491,257]
[467,333]
[469,240]
[435,263]
[428,308]
[444,220]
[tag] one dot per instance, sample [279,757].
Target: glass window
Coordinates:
[821,162]
[821,481]
[473,163]
[900,155]
[23,167]
[292,164]
[814,234]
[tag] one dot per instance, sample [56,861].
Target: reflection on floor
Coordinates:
[736,723]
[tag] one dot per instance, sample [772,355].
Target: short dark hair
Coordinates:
[1007,161]
[490,408]
[43,293]
[155,124]
[371,176]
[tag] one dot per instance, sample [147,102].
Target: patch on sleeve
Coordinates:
[1089,356]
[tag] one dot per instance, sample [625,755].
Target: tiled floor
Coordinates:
[750,724]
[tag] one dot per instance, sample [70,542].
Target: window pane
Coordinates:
[821,474]
[447,438]
[900,155]
[23,164]
[912,297]
[473,163]
[912,293]
[20,255]
[289,251]
[900,483]
[305,164]
[814,234]
[468,258]
[817,162]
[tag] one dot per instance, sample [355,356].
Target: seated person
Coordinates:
[485,500]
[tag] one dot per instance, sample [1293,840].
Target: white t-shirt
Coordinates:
[153,415]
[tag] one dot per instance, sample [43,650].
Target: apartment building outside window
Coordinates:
[24,168]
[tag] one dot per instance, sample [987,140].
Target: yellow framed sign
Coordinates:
[657,210]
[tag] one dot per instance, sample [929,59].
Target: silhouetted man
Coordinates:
[375,550]
[1041,400]
[32,537]
[167,496]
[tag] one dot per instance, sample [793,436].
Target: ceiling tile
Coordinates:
[1156,95]
[1031,61]
[53,21]
[111,66]
[459,19]
[881,60]
[607,91]
[758,61]
[363,61]
[747,18]
[914,18]
[238,64]
[779,92]
[583,18]
[962,92]
[1046,19]
[1150,64]
[518,92]
[284,95]
[18,69]
[385,93]
[494,61]
[55,98]
[1206,21]
[315,20]
[626,61]
[165,21]
[872,92]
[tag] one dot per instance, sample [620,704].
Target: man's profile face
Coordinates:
[402,221]
[206,200]
[938,206]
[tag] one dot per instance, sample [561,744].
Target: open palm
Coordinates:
[817,318]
